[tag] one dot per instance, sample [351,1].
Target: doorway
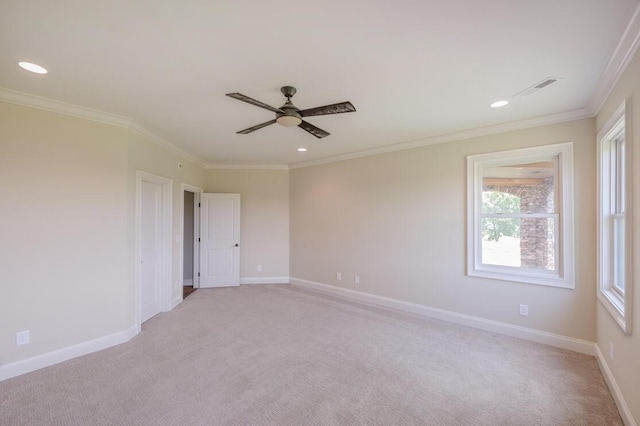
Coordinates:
[189,252]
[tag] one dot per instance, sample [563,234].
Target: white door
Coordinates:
[219,240]
[150,248]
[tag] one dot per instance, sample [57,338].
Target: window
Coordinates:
[520,215]
[614,254]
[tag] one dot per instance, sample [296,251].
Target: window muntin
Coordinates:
[614,257]
[518,202]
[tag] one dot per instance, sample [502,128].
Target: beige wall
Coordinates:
[67,187]
[398,222]
[63,257]
[67,191]
[264,222]
[626,364]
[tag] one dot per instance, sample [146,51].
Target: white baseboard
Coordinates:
[187,282]
[28,365]
[264,280]
[623,408]
[530,334]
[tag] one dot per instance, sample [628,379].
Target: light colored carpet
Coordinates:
[274,354]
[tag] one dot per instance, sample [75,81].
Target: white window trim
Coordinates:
[564,276]
[618,305]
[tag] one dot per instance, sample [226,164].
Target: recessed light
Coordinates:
[498,104]
[33,67]
[302,149]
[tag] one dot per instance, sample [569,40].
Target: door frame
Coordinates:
[196,231]
[165,241]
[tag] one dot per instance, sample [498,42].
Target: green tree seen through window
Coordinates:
[500,202]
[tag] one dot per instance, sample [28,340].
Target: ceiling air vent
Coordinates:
[539,85]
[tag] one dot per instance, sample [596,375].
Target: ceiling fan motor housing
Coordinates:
[289,108]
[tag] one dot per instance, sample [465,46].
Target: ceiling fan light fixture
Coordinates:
[288,120]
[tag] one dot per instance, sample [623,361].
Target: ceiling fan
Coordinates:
[290,115]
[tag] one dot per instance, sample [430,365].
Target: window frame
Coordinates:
[563,276]
[614,203]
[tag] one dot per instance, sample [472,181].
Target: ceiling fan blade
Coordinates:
[318,133]
[328,109]
[256,127]
[243,98]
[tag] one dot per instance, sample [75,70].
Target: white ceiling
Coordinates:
[414,69]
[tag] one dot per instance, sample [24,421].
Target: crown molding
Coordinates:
[32,101]
[52,105]
[544,120]
[246,167]
[622,56]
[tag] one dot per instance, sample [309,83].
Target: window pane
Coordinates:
[618,175]
[618,253]
[520,242]
[501,241]
[532,184]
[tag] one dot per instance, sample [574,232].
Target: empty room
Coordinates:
[327,213]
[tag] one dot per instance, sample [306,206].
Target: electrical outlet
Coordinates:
[524,310]
[356,279]
[259,268]
[23,337]
[338,276]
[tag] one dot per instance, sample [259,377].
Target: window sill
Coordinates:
[550,280]
[615,306]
